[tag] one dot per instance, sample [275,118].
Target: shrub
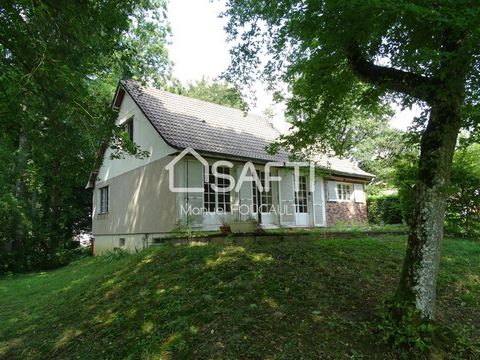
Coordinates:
[15,262]
[9,212]
[114,255]
[384,209]
[463,204]
[462,215]
[403,328]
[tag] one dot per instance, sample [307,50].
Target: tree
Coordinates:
[463,200]
[218,92]
[59,65]
[379,152]
[344,57]
[463,205]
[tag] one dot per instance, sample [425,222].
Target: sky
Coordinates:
[199,49]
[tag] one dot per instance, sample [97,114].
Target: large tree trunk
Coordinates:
[20,194]
[420,268]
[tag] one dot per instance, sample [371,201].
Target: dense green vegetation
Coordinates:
[217,91]
[463,193]
[59,66]
[344,62]
[384,209]
[278,299]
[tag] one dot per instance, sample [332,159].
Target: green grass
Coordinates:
[273,300]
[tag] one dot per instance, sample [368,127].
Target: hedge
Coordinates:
[384,209]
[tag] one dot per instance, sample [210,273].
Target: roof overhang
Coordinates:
[118,98]
[222,156]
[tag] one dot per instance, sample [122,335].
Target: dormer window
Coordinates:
[128,128]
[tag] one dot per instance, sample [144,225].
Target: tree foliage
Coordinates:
[218,92]
[343,60]
[59,65]
[379,152]
[463,206]
[384,209]
[311,45]
[463,197]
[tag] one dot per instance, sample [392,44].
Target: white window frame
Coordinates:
[208,190]
[301,197]
[101,208]
[262,200]
[338,193]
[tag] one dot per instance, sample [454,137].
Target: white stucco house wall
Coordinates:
[133,205]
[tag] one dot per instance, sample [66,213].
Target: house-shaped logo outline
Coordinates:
[171,171]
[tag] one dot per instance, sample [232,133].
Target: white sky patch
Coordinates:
[403,118]
[199,49]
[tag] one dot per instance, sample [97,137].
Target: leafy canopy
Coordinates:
[59,65]
[310,45]
[216,91]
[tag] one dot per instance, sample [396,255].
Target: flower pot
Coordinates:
[225,229]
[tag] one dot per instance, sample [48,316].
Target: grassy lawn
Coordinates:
[273,300]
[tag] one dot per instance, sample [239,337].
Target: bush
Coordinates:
[403,328]
[9,213]
[34,260]
[462,215]
[463,204]
[384,209]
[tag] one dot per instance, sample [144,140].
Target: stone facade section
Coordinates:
[344,212]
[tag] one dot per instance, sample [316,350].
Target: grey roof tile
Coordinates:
[206,127]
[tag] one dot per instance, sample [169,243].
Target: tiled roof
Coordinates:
[340,166]
[210,128]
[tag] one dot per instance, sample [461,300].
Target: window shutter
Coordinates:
[332,191]
[195,199]
[245,196]
[359,193]
[286,197]
[318,203]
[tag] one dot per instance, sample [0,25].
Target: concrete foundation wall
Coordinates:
[133,242]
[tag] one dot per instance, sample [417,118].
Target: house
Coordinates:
[193,145]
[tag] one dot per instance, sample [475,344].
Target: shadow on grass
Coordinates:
[258,300]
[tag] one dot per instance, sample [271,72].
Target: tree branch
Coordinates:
[408,83]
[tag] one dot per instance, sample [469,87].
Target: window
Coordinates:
[262,199]
[121,242]
[104,200]
[224,201]
[128,128]
[217,200]
[255,196]
[343,192]
[209,194]
[301,204]
[158,240]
